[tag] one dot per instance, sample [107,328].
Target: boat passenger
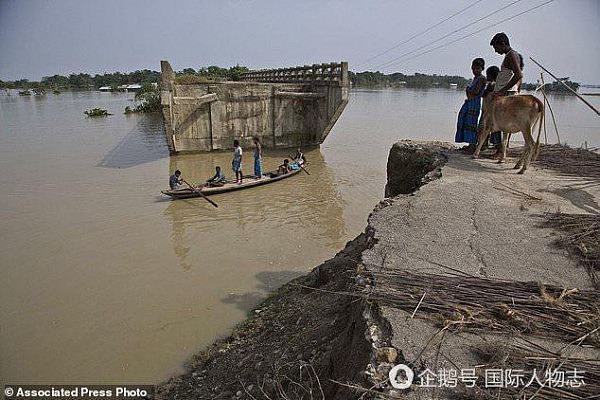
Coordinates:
[257,158]
[284,168]
[299,156]
[217,180]
[236,164]
[174,180]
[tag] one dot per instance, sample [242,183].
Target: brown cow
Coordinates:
[512,114]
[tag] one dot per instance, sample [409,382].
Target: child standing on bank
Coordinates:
[491,74]
[466,127]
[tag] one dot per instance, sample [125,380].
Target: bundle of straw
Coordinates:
[529,358]
[567,160]
[471,303]
[581,235]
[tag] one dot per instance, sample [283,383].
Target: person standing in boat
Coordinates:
[174,180]
[236,164]
[510,75]
[257,157]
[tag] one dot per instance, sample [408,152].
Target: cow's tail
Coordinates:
[540,122]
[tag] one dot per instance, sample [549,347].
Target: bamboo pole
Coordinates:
[541,87]
[567,86]
[551,112]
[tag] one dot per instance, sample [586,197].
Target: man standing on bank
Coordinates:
[236,164]
[510,71]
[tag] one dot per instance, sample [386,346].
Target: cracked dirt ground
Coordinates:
[483,219]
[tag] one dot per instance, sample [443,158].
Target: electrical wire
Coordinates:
[392,61]
[419,34]
[473,33]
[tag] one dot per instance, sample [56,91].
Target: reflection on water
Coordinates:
[103,280]
[144,143]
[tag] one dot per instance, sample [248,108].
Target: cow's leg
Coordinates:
[502,155]
[505,140]
[482,139]
[529,148]
[519,163]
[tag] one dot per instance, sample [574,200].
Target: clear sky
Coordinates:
[46,37]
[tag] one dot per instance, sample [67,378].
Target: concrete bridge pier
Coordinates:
[289,107]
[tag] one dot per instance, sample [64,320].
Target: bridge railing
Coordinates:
[331,72]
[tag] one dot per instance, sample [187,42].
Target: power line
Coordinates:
[473,33]
[385,64]
[419,34]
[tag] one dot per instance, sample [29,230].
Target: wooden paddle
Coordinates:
[200,193]
[300,165]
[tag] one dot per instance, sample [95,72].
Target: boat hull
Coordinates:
[249,182]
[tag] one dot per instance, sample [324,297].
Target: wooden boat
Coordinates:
[249,182]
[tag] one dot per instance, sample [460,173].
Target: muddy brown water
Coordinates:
[103,280]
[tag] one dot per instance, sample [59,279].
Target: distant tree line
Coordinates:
[397,79]
[555,86]
[83,81]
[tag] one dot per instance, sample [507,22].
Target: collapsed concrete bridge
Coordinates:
[288,107]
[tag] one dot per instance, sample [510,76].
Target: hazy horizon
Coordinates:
[40,38]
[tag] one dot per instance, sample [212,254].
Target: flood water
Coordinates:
[103,280]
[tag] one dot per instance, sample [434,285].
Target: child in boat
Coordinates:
[284,168]
[236,164]
[466,127]
[217,180]
[299,156]
[174,180]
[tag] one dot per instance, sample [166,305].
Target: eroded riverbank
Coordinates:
[312,338]
[336,332]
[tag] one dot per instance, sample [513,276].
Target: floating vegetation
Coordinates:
[24,93]
[56,92]
[149,98]
[144,108]
[97,112]
[149,106]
